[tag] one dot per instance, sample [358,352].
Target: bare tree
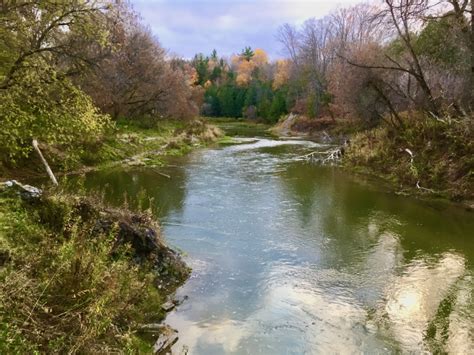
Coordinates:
[288,36]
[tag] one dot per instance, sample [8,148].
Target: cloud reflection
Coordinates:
[414,298]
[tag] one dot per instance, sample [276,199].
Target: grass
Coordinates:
[240,127]
[67,285]
[149,146]
[74,278]
[124,142]
[443,161]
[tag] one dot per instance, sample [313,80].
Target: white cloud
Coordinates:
[187,27]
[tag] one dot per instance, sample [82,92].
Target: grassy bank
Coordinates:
[124,142]
[427,156]
[77,277]
[240,127]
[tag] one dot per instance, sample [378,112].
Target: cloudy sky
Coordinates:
[186,27]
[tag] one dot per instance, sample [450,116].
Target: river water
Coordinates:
[293,258]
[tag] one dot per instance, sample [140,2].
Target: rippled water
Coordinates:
[291,258]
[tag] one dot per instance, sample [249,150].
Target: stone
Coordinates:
[167,338]
[179,300]
[25,191]
[167,306]
[153,328]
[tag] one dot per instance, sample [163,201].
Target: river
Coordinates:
[293,258]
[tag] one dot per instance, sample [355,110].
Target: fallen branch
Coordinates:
[45,163]
[328,156]
[423,188]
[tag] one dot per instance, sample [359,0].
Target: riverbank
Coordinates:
[78,276]
[426,157]
[123,143]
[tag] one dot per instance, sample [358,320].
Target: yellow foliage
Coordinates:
[260,57]
[245,68]
[282,73]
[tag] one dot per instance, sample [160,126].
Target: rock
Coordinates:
[180,300]
[153,328]
[143,240]
[167,306]
[26,191]
[167,338]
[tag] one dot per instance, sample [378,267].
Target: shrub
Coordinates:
[54,112]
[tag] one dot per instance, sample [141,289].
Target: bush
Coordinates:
[54,112]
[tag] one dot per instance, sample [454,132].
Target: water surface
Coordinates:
[292,258]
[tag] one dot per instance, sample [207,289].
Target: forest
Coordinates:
[388,85]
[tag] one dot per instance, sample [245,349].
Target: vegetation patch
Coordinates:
[426,155]
[79,278]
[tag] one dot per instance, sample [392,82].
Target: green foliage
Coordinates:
[37,100]
[231,100]
[439,41]
[278,106]
[247,53]
[49,108]
[201,63]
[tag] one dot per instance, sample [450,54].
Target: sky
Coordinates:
[187,27]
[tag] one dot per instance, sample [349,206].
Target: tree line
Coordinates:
[369,61]
[69,68]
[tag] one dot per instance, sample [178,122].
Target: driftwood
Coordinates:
[326,157]
[45,163]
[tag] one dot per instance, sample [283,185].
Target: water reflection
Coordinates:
[290,258]
[140,188]
[415,297]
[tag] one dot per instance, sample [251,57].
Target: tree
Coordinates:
[49,30]
[136,81]
[247,54]
[41,46]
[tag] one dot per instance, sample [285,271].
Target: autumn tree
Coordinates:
[136,81]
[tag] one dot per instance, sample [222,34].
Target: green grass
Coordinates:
[240,127]
[149,146]
[67,286]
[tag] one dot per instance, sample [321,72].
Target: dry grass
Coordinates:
[443,155]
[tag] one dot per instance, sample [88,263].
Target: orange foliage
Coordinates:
[245,68]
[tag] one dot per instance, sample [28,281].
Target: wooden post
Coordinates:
[45,163]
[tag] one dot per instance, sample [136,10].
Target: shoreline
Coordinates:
[334,132]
